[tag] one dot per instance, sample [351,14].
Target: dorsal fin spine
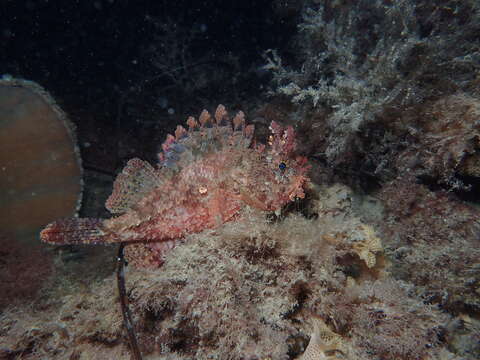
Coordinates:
[205,135]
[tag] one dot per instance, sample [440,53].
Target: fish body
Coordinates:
[206,176]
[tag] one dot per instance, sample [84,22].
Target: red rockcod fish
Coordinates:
[206,175]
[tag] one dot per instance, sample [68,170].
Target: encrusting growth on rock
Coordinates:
[248,289]
[324,343]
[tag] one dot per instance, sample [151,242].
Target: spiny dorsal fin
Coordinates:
[136,180]
[205,136]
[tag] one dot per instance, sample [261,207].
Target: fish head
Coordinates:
[274,175]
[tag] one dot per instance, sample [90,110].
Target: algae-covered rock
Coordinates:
[256,288]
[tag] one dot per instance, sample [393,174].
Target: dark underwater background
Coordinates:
[379,261]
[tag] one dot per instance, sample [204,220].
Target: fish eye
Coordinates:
[282,166]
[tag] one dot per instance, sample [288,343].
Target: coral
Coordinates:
[40,163]
[205,177]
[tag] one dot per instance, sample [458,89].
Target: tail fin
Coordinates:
[74,231]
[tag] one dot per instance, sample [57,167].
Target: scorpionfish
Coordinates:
[206,175]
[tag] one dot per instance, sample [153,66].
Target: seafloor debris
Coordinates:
[40,172]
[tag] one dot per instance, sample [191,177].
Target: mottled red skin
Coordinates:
[203,194]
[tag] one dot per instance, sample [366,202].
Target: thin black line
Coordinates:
[127,316]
